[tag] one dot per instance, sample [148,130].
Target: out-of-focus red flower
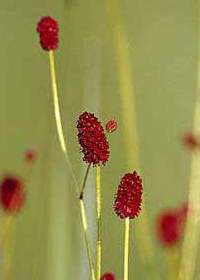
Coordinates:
[30,156]
[12,194]
[111,126]
[92,139]
[168,230]
[171,225]
[190,141]
[129,196]
[108,276]
[47,28]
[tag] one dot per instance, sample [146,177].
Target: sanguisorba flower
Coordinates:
[111,126]
[171,225]
[129,196]
[48,29]
[108,276]
[168,231]
[12,194]
[92,139]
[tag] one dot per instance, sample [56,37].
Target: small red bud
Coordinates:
[111,126]
[30,156]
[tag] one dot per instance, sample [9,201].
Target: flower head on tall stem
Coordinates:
[129,196]
[48,29]
[92,139]
[12,194]
[108,276]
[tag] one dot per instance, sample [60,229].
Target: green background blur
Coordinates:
[163,42]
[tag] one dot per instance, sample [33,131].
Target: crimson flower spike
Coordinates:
[127,206]
[92,139]
[48,29]
[129,196]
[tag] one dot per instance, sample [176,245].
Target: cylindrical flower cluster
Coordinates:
[48,30]
[92,139]
[129,196]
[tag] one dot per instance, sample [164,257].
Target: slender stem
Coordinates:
[99,221]
[8,243]
[58,116]
[65,152]
[86,236]
[126,247]
[84,181]
[173,262]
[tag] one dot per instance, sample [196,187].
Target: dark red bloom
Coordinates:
[30,156]
[12,194]
[190,141]
[47,28]
[111,126]
[92,139]
[108,276]
[129,196]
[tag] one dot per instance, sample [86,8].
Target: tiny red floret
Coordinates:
[111,126]
[92,139]
[47,28]
[108,276]
[30,156]
[12,194]
[191,142]
[129,196]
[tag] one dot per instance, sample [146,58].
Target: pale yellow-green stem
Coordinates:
[65,152]
[192,231]
[99,221]
[58,116]
[172,258]
[87,241]
[126,248]
[125,74]
[8,243]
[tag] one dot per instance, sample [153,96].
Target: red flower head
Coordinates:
[190,141]
[108,276]
[169,228]
[30,156]
[129,196]
[92,139]
[111,126]
[12,194]
[47,28]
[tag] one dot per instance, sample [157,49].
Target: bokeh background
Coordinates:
[163,36]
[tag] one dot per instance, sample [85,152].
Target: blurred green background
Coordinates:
[163,42]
